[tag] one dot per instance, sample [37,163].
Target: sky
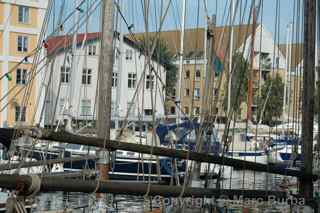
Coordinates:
[195,14]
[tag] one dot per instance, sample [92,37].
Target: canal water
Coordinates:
[130,204]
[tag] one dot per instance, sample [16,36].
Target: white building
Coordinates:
[73,87]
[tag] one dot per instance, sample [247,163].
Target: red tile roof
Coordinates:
[58,43]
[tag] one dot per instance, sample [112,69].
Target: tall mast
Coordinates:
[250,82]
[105,85]
[306,184]
[287,72]
[230,54]
[74,64]
[180,74]
[119,76]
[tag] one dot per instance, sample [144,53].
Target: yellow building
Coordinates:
[20,26]
[194,65]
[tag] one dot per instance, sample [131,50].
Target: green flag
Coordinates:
[217,65]
[8,76]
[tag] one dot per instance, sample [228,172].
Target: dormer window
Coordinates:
[92,49]
[128,54]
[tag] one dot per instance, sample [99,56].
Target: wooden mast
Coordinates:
[105,86]
[250,80]
[306,185]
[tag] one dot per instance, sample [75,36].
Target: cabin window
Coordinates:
[187,76]
[187,92]
[119,153]
[20,113]
[65,75]
[86,76]
[173,110]
[92,49]
[198,74]
[149,82]
[132,77]
[23,14]
[85,107]
[196,93]
[130,154]
[114,79]
[128,54]
[148,112]
[21,76]
[186,110]
[22,43]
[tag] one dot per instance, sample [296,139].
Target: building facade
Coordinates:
[73,89]
[20,25]
[268,60]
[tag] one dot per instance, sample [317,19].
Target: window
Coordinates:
[92,50]
[114,79]
[198,74]
[85,107]
[148,112]
[215,92]
[196,93]
[117,53]
[186,110]
[187,74]
[132,80]
[20,113]
[65,75]
[149,82]
[23,14]
[113,108]
[61,106]
[173,110]
[186,92]
[86,76]
[128,54]
[22,43]
[197,110]
[21,76]
[173,93]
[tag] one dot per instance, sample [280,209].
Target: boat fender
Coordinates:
[34,187]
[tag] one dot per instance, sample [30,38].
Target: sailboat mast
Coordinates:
[230,54]
[306,184]
[105,85]
[286,74]
[250,82]
[180,74]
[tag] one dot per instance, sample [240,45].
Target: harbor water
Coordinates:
[80,202]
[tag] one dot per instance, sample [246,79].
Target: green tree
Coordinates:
[271,101]
[163,55]
[239,82]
